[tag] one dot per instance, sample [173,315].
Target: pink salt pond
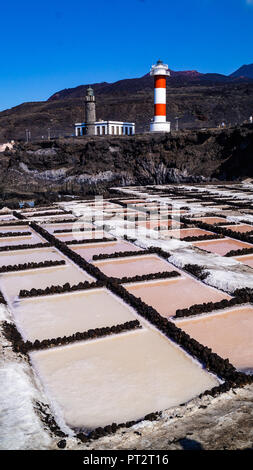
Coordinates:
[7,217]
[168,213]
[168,295]
[118,209]
[185,232]
[91,249]
[153,224]
[134,266]
[60,315]
[100,204]
[11,283]
[119,378]
[222,246]
[228,333]
[22,240]
[85,235]
[18,228]
[210,220]
[133,201]
[246,259]
[242,228]
[35,255]
[68,226]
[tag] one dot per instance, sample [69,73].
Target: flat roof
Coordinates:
[106,122]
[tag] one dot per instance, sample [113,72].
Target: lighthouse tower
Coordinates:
[160,72]
[90,112]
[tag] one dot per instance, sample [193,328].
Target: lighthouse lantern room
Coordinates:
[160,71]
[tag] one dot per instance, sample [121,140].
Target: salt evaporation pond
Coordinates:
[22,240]
[91,249]
[134,266]
[47,218]
[99,204]
[43,212]
[222,246]
[228,333]
[166,213]
[12,283]
[64,314]
[119,378]
[68,226]
[132,201]
[35,255]
[168,295]
[95,234]
[118,209]
[8,217]
[210,220]
[18,228]
[185,232]
[246,259]
[242,228]
[152,224]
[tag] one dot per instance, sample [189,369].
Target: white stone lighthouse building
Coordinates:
[93,127]
[159,72]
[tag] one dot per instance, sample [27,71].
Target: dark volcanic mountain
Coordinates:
[244,71]
[199,100]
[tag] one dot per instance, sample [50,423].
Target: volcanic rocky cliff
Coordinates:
[48,170]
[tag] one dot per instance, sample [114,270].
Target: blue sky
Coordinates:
[50,45]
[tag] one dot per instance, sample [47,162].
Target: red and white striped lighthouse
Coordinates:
[160,72]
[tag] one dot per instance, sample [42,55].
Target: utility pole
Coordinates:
[28,135]
[176,126]
[49,133]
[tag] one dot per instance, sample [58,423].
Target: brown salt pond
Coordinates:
[12,283]
[242,228]
[119,378]
[228,333]
[210,220]
[168,295]
[246,259]
[64,314]
[134,266]
[222,246]
[91,249]
[185,232]
[153,224]
[35,255]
